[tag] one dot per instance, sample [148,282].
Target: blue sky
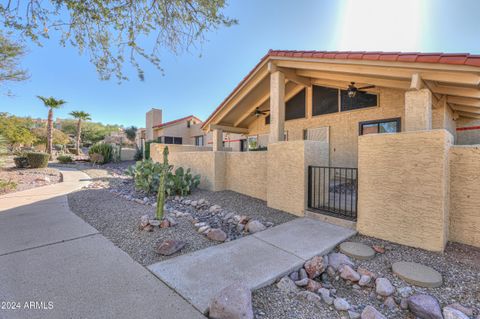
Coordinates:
[196,82]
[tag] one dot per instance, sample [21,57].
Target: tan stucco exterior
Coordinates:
[404,187]
[465,194]
[246,173]
[468,132]
[181,129]
[343,126]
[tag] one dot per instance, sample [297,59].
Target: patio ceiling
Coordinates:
[452,78]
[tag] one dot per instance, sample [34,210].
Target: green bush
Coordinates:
[37,159]
[138,155]
[20,161]
[64,159]
[7,185]
[106,150]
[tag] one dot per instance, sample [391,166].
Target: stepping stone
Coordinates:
[357,250]
[417,274]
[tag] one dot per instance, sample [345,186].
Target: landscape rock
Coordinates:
[315,266]
[371,313]
[215,209]
[404,304]
[364,280]
[144,221]
[313,285]
[404,292]
[337,259]
[378,249]
[353,315]
[154,222]
[148,228]
[452,313]
[203,229]
[165,224]
[348,273]
[309,296]
[325,293]
[169,247]
[294,276]
[424,306]
[465,310]
[254,226]
[390,303]
[287,285]
[302,282]
[384,287]
[217,234]
[341,304]
[232,302]
[302,273]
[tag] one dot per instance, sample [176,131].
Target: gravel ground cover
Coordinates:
[27,178]
[459,266]
[114,209]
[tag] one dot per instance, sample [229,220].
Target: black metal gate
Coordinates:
[333,191]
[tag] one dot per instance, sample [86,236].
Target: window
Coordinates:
[168,140]
[295,107]
[324,100]
[361,100]
[381,126]
[267,119]
[189,123]
[199,140]
[177,140]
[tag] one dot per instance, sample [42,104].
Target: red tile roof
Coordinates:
[415,57]
[186,118]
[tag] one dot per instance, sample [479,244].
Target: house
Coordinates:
[185,131]
[387,141]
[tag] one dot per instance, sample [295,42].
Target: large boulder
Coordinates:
[348,273]
[315,266]
[371,313]
[335,260]
[169,247]
[287,285]
[424,306]
[217,234]
[232,302]
[341,304]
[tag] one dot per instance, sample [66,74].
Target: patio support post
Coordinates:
[418,106]
[277,107]
[217,136]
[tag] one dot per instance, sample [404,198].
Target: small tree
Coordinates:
[80,116]
[51,103]
[131,133]
[165,168]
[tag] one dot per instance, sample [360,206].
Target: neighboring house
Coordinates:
[388,141]
[185,131]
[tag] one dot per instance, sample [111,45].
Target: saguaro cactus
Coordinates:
[161,185]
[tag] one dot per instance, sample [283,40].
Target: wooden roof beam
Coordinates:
[290,74]
[464,78]
[463,101]
[468,109]
[468,114]
[455,91]
[230,129]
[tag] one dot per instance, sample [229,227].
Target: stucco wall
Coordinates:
[156,150]
[465,194]
[404,187]
[181,129]
[468,131]
[246,173]
[127,154]
[344,126]
[442,117]
[287,164]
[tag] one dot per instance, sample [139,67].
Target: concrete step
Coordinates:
[257,260]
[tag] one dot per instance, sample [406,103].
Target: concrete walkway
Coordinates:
[54,265]
[256,260]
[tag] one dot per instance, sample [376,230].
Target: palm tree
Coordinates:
[80,116]
[52,104]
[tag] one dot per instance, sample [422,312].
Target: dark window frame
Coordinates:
[344,93]
[398,120]
[337,99]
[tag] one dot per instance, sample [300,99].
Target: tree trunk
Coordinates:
[79,132]
[50,132]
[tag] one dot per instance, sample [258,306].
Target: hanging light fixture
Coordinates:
[352,90]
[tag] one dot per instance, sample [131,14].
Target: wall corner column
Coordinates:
[217,136]
[418,110]
[277,106]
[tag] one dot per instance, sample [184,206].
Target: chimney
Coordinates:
[153,118]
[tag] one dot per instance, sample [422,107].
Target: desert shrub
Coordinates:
[146,175]
[96,158]
[37,159]
[20,161]
[64,159]
[106,150]
[181,183]
[7,185]
[138,155]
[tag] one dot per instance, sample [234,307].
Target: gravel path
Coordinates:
[117,218]
[459,265]
[27,178]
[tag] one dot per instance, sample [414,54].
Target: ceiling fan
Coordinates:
[257,112]
[352,89]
